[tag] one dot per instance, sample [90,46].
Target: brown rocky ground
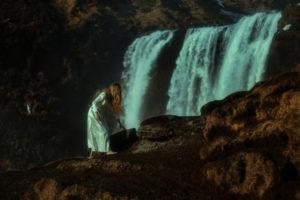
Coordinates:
[246,146]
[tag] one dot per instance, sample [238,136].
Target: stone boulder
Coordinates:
[252,138]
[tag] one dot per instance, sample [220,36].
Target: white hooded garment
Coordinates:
[101,124]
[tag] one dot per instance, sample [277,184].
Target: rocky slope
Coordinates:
[55,53]
[246,146]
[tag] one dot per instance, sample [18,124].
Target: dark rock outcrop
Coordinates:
[246,146]
[252,139]
[251,6]
[286,44]
[156,133]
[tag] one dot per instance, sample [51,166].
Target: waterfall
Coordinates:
[140,58]
[248,44]
[212,63]
[241,58]
[193,66]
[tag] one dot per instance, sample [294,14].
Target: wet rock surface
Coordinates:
[246,146]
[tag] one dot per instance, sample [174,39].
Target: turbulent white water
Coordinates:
[191,79]
[247,47]
[197,79]
[139,60]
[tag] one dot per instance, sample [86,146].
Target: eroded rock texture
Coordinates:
[252,138]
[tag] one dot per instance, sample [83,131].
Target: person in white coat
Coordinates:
[103,119]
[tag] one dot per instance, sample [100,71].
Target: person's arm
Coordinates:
[120,124]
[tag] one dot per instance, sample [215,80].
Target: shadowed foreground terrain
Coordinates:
[246,146]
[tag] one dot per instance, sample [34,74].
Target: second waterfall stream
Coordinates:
[212,63]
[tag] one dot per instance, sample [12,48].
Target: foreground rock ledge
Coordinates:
[246,146]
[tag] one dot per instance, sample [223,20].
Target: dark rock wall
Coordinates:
[285,48]
[251,6]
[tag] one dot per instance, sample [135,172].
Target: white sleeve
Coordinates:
[101,98]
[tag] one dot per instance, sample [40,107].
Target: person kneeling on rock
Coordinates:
[105,132]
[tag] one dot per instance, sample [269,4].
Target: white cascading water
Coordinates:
[192,68]
[242,62]
[139,60]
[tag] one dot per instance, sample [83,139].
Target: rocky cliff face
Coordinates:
[250,6]
[286,45]
[246,146]
[253,138]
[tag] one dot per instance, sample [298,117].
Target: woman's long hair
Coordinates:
[115,97]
